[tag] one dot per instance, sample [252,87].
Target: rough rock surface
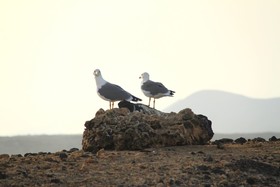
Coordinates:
[121,129]
[251,164]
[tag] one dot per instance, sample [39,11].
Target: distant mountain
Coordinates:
[233,113]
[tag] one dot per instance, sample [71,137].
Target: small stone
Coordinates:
[220,145]
[171,181]
[207,177]
[251,180]
[208,158]
[63,155]
[200,152]
[55,181]
[218,170]
[100,153]
[202,167]
[178,182]
[3,175]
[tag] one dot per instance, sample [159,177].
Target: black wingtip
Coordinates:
[171,92]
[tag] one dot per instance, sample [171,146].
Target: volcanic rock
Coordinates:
[240,140]
[258,139]
[121,129]
[273,139]
[223,141]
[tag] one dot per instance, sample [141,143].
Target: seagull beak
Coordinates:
[140,77]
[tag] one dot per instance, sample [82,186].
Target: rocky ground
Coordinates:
[223,163]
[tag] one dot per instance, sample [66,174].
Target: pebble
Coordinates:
[63,155]
[208,158]
[251,180]
[220,145]
[3,175]
[55,181]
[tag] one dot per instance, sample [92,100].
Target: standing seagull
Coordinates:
[153,89]
[111,92]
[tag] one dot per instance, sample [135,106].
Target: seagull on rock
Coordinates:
[111,92]
[153,89]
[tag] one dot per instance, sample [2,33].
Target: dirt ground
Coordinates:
[250,164]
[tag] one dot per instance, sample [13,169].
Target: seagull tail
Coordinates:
[135,99]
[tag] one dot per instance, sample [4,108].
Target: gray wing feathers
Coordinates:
[154,87]
[113,92]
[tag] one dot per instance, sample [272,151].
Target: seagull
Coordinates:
[153,89]
[111,92]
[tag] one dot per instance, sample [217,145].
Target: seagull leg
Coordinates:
[149,101]
[112,105]
[154,102]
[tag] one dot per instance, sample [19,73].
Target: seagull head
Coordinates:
[97,73]
[144,76]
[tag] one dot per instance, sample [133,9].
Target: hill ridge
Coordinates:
[233,113]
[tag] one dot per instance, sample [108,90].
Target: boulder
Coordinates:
[141,127]
[240,140]
[223,141]
[273,139]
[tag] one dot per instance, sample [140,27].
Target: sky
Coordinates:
[50,48]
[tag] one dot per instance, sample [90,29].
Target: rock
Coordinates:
[120,129]
[202,167]
[273,139]
[251,180]
[218,170]
[30,154]
[57,181]
[258,139]
[16,156]
[3,175]
[73,150]
[62,155]
[220,145]
[223,141]
[240,140]
[208,158]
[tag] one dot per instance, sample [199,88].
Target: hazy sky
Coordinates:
[49,50]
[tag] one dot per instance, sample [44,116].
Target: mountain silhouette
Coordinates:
[233,113]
